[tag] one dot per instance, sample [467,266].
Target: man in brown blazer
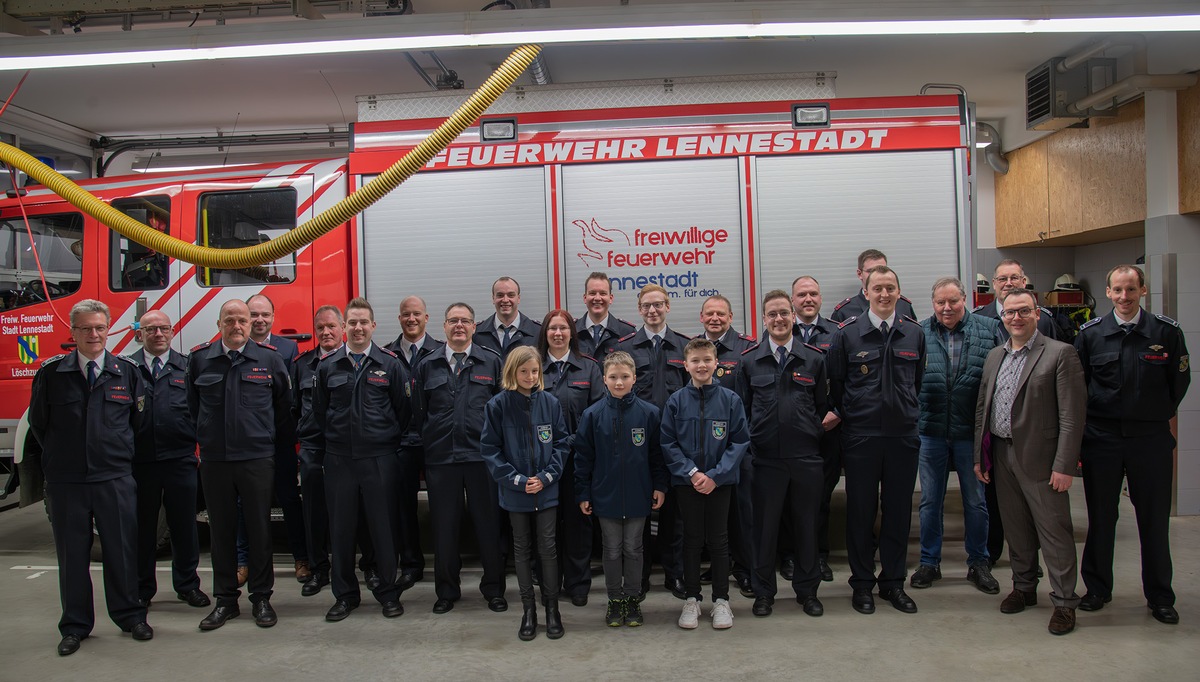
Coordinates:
[1032,403]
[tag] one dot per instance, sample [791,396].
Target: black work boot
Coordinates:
[528,620]
[554,627]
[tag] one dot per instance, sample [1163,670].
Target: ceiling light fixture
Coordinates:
[548,36]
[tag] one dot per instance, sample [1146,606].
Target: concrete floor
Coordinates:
[958,634]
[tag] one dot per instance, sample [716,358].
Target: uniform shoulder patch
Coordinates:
[844,302]
[268,346]
[746,337]
[752,348]
[819,350]
[325,355]
[56,358]
[1091,323]
[130,359]
[202,346]
[847,321]
[910,319]
[624,322]
[388,351]
[627,337]
[1168,320]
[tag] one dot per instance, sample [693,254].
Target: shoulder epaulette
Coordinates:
[751,348]
[130,359]
[56,358]
[905,298]
[819,350]
[267,346]
[325,355]
[1168,320]
[585,355]
[1046,310]
[844,302]
[910,319]
[202,346]
[1092,322]
[624,321]
[310,351]
[493,351]
[746,337]
[627,337]
[847,321]
[388,351]
[979,307]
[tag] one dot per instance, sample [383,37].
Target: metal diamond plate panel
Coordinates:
[609,94]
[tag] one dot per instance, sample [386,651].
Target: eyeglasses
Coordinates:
[1009,278]
[1023,313]
[656,305]
[778,314]
[165,329]
[455,321]
[100,329]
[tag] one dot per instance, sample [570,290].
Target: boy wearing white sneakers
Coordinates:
[704,437]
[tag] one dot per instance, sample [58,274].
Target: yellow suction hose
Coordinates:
[266,252]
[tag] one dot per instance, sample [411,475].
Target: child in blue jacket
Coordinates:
[704,437]
[523,442]
[620,477]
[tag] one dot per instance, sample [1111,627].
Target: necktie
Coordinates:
[91,368]
[507,329]
[412,354]
[234,355]
[806,330]
[781,355]
[357,359]
[884,329]
[597,332]
[156,367]
[558,367]
[1127,327]
[458,362]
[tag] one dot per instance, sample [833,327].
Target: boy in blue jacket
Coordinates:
[704,437]
[620,477]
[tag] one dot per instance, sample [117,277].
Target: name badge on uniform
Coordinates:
[545,433]
[639,436]
[719,429]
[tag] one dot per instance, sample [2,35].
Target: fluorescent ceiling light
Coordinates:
[551,36]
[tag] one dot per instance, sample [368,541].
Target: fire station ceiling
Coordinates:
[317,92]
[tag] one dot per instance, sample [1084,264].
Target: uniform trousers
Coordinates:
[574,536]
[792,485]
[112,505]
[316,517]
[705,523]
[1034,513]
[287,491]
[412,559]
[881,471]
[528,529]
[742,539]
[831,472]
[169,485]
[224,482]
[1146,462]
[373,481]
[447,485]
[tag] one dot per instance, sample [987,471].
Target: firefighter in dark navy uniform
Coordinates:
[240,394]
[87,411]
[1137,371]
[817,331]
[360,411]
[1010,275]
[857,305]
[166,468]
[657,352]
[507,328]
[575,380]
[784,386]
[875,364]
[598,332]
[450,390]
[412,346]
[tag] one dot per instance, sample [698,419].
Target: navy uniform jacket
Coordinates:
[1045,326]
[729,356]
[618,457]
[523,437]
[524,334]
[785,405]
[576,388]
[448,408]
[359,414]
[239,408]
[172,432]
[287,348]
[612,333]
[874,385]
[429,346]
[857,306]
[304,375]
[704,429]
[1135,381]
[656,384]
[822,335]
[88,435]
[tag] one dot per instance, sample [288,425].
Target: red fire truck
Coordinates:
[731,187]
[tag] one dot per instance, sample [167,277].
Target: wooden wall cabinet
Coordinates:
[1188,103]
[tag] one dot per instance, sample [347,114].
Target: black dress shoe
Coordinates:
[218,617]
[675,585]
[340,610]
[498,604]
[812,605]
[442,606]
[392,609]
[1093,602]
[314,584]
[745,587]
[69,645]
[372,579]
[863,601]
[787,569]
[579,600]
[194,598]
[142,631]
[1164,614]
[264,615]
[762,607]
[899,600]
[404,582]
[826,571]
